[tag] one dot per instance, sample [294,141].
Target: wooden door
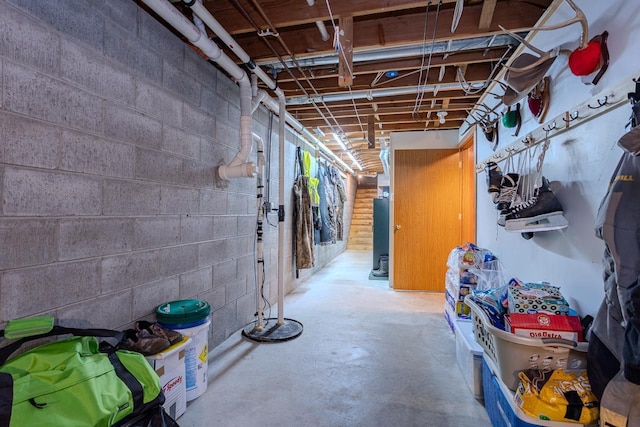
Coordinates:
[426,217]
[468,190]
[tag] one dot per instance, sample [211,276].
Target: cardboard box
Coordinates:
[542,325]
[536,298]
[170,367]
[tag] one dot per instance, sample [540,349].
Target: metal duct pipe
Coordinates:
[368,94]
[376,54]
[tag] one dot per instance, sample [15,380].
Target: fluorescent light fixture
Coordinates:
[355,162]
[339,141]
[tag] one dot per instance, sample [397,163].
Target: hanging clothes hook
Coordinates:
[571,116]
[551,127]
[601,103]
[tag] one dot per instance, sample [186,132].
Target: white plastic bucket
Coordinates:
[196,358]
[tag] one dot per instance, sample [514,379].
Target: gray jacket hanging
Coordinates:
[617,323]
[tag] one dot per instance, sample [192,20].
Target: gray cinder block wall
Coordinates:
[111,131]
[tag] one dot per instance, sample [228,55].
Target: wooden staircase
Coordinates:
[361,233]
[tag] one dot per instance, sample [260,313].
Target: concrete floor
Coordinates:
[368,356]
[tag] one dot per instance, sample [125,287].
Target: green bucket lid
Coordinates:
[182,311]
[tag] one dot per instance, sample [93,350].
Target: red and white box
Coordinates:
[542,325]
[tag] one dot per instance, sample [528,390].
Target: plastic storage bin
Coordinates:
[502,410]
[469,357]
[190,318]
[512,353]
[170,367]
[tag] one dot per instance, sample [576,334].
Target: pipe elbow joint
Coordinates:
[243,170]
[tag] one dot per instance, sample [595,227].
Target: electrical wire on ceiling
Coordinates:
[377,82]
[350,71]
[422,87]
[295,62]
[355,108]
[336,41]
[424,44]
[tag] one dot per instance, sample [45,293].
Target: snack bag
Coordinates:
[559,395]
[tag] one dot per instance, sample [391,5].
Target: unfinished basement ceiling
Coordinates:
[406,68]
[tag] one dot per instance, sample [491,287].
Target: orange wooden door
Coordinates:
[426,217]
[468,190]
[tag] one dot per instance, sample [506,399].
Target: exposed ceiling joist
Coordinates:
[404,67]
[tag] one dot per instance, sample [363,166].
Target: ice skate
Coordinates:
[508,192]
[502,218]
[543,222]
[494,180]
[541,213]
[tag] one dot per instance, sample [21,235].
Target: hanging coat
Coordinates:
[303,220]
[326,204]
[341,198]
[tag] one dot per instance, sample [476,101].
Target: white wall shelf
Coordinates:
[596,106]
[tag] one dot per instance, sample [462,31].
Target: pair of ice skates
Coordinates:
[542,212]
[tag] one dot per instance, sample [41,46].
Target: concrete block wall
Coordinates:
[111,131]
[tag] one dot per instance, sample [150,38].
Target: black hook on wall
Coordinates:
[601,103]
[551,127]
[571,117]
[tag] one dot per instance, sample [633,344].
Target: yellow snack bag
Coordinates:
[559,395]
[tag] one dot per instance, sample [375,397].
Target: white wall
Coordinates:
[579,162]
[434,139]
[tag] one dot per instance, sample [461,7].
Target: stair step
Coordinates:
[361,232]
[362,224]
[361,240]
[359,248]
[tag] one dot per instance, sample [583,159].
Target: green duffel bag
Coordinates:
[76,381]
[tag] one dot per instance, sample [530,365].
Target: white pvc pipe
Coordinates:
[321,27]
[226,38]
[324,34]
[243,170]
[198,22]
[390,52]
[370,94]
[177,20]
[281,197]
[219,30]
[255,102]
[238,166]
